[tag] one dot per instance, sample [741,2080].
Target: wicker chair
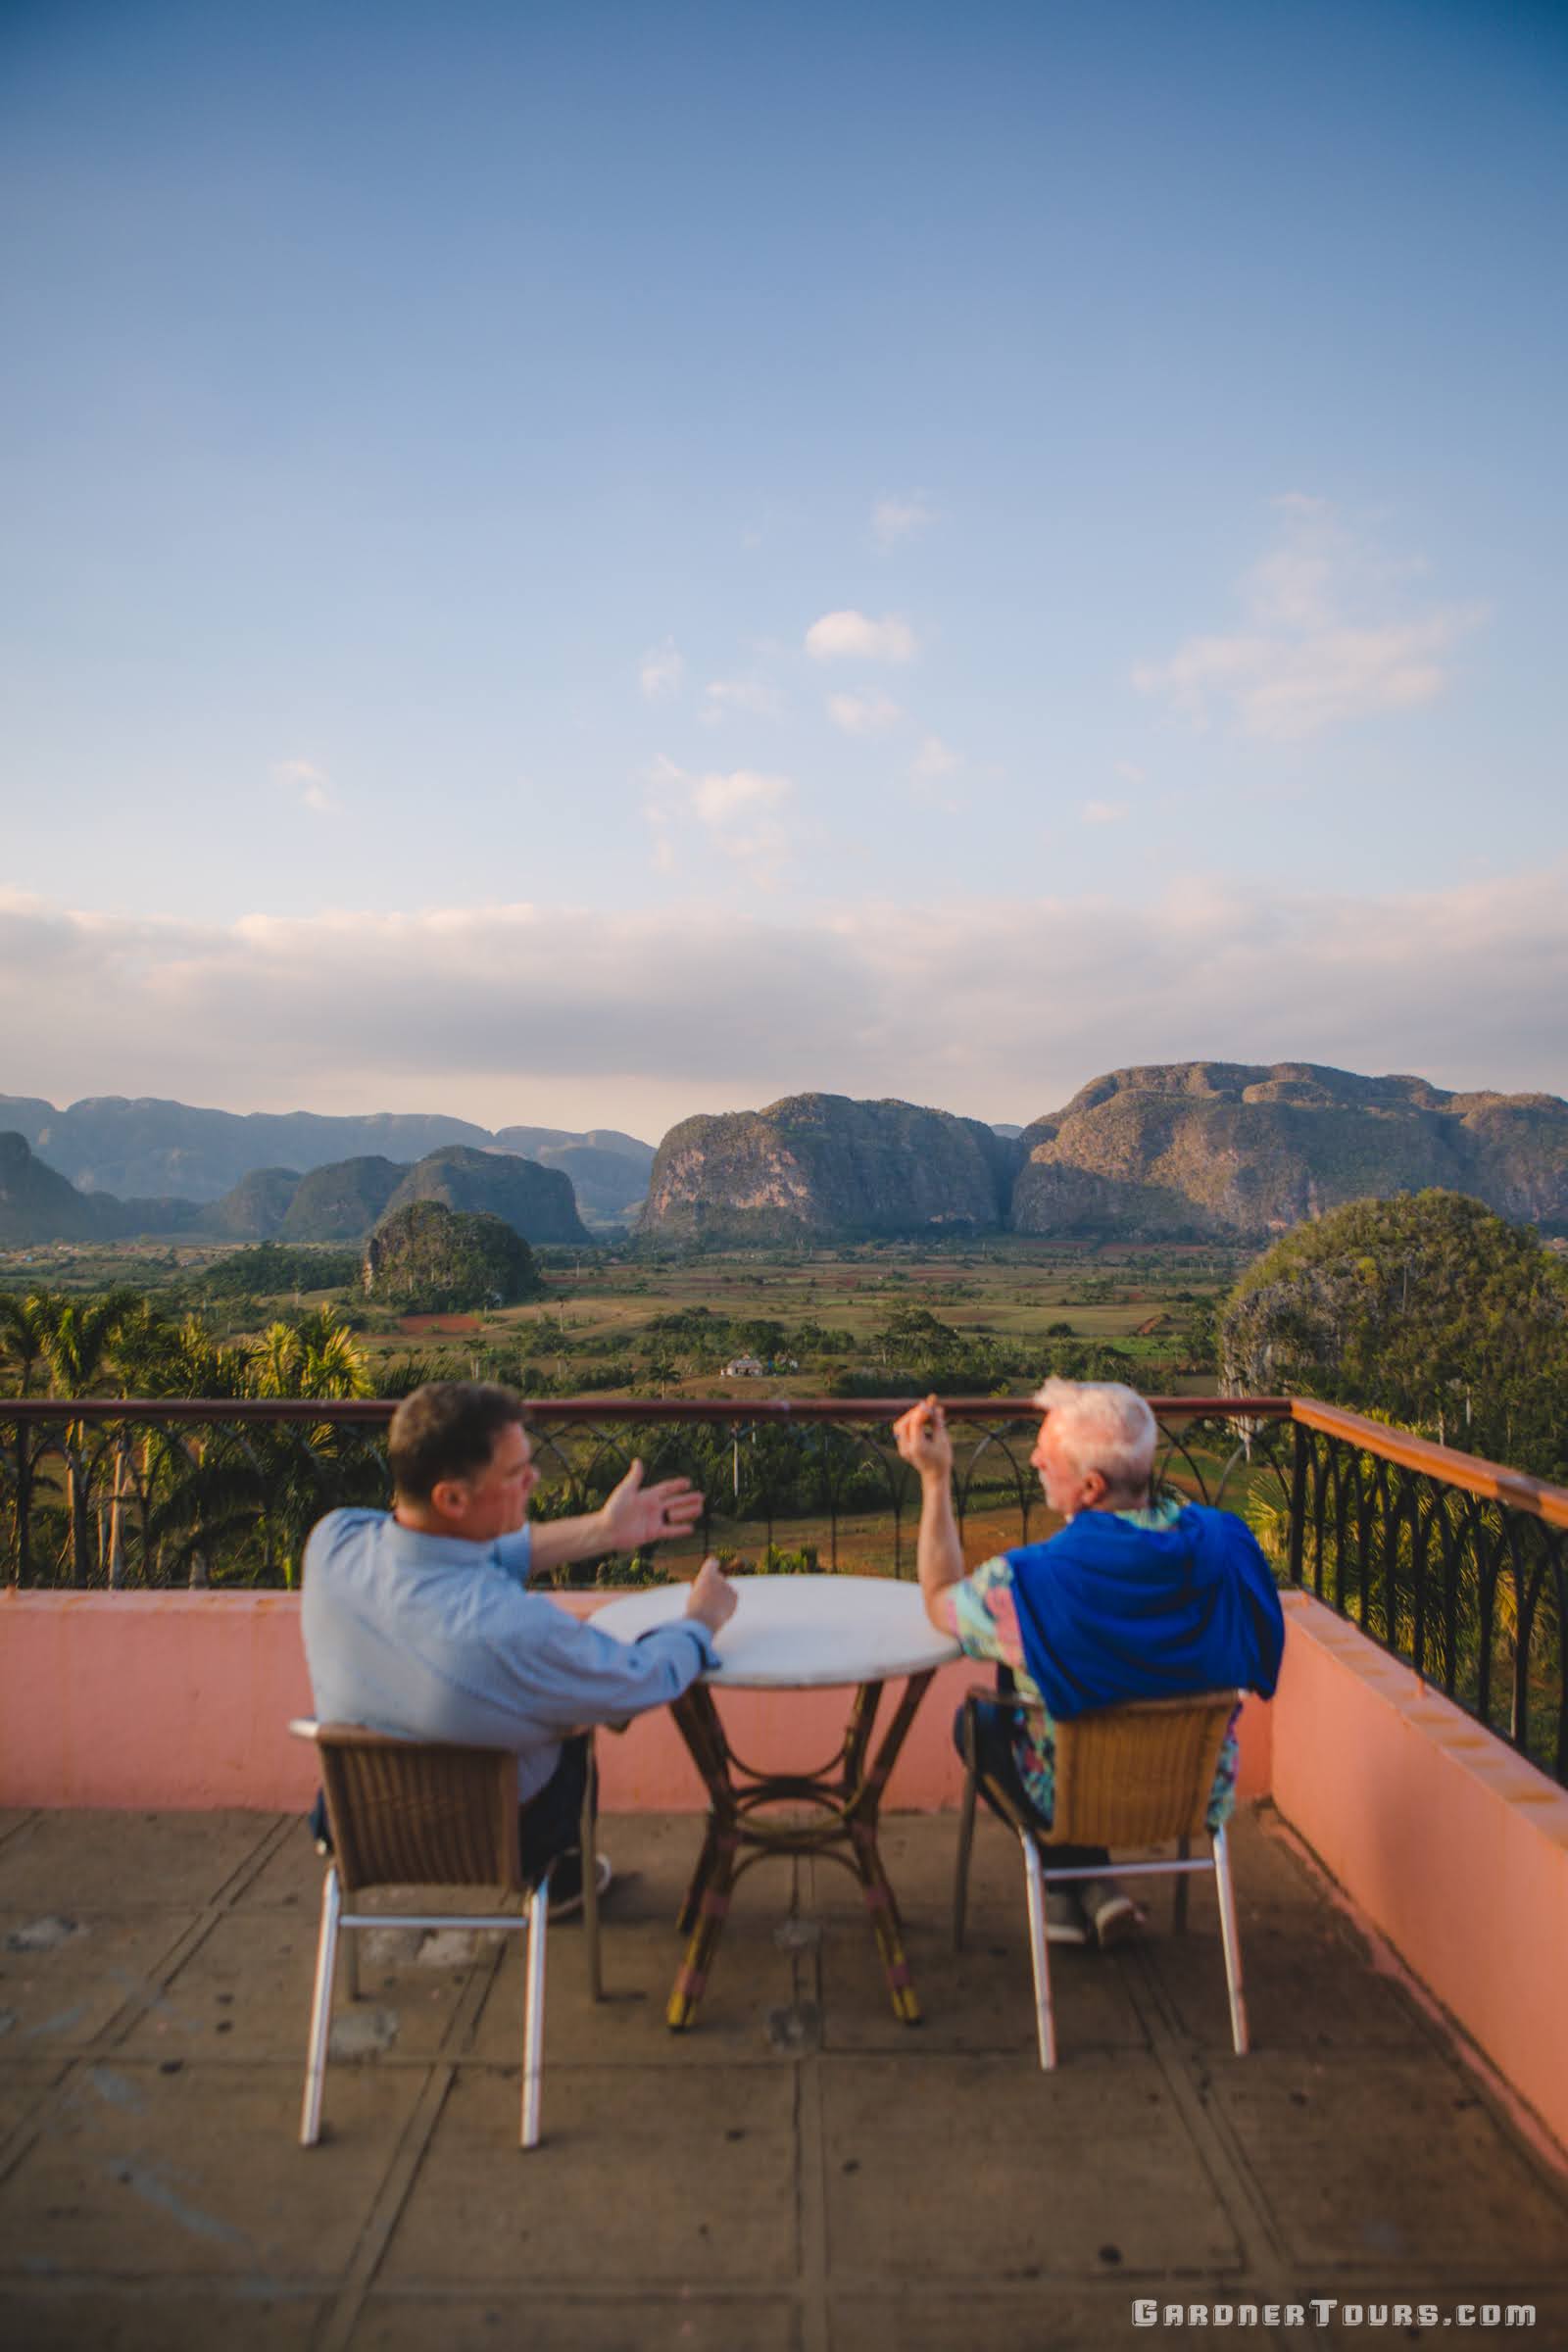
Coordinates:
[413,1813]
[1136,1775]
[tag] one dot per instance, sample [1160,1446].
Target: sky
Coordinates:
[580,564]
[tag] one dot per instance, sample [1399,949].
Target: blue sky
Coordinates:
[583,564]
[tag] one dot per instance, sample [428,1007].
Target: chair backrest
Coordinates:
[1141,1773]
[416,1813]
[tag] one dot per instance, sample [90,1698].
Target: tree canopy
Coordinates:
[1426,1309]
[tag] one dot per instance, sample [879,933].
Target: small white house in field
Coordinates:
[745,1367]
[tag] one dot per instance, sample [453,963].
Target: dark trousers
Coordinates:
[999,1766]
[549,1824]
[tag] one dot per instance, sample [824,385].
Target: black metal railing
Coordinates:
[148,1493]
[1458,1566]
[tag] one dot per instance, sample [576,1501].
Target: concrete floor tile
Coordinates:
[245,1991]
[966,2198]
[167,2316]
[123,1861]
[552,2324]
[142,2172]
[23,2088]
[1308,1988]
[979,2000]
[751,1977]
[641,1950]
[682,2177]
[1371,2158]
[290,1879]
[924,2171]
[62,1995]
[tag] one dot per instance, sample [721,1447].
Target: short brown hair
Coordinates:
[448,1429]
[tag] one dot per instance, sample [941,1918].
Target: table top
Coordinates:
[801,1633]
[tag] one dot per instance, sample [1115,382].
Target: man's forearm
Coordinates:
[556,1543]
[939,1554]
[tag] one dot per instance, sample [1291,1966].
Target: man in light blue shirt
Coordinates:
[417,1621]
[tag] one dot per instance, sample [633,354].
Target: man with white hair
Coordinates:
[1132,1598]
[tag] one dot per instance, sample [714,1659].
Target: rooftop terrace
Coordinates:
[800,2170]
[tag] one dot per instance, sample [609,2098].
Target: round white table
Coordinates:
[796,1633]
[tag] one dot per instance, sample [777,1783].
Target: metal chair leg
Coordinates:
[1232,1942]
[1045,2019]
[320,2011]
[533,2023]
[971,1778]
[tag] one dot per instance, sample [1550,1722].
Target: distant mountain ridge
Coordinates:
[150,1147]
[1158,1151]
[339,1203]
[1154,1152]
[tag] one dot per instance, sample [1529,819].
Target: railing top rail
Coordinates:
[1493,1482]
[374,1411]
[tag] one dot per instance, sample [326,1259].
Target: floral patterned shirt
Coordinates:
[981,1616]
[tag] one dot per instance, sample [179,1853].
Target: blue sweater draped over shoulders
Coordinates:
[1108,1610]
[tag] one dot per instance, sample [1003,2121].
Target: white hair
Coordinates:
[1104,1425]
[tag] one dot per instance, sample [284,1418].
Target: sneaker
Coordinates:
[1064,1919]
[566,1882]
[1112,1915]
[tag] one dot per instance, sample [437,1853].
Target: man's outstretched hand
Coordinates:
[712,1598]
[635,1514]
[921,1436]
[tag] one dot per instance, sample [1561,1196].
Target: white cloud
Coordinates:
[736,813]
[935,758]
[896,518]
[310,784]
[513,1011]
[1328,641]
[660,672]
[852,636]
[753,698]
[719,798]
[1104,812]
[863,714]
[1130,774]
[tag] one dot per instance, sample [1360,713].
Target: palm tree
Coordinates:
[276,1480]
[78,1338]
[25,1328]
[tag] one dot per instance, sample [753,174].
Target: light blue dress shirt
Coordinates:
[432,1638]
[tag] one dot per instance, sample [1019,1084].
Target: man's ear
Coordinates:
[449,1497]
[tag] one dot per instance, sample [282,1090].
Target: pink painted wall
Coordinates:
[1453,1846]
[183,1699]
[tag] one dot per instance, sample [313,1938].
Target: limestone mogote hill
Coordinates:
[1182,1150]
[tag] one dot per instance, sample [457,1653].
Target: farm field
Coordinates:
[614,1321]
